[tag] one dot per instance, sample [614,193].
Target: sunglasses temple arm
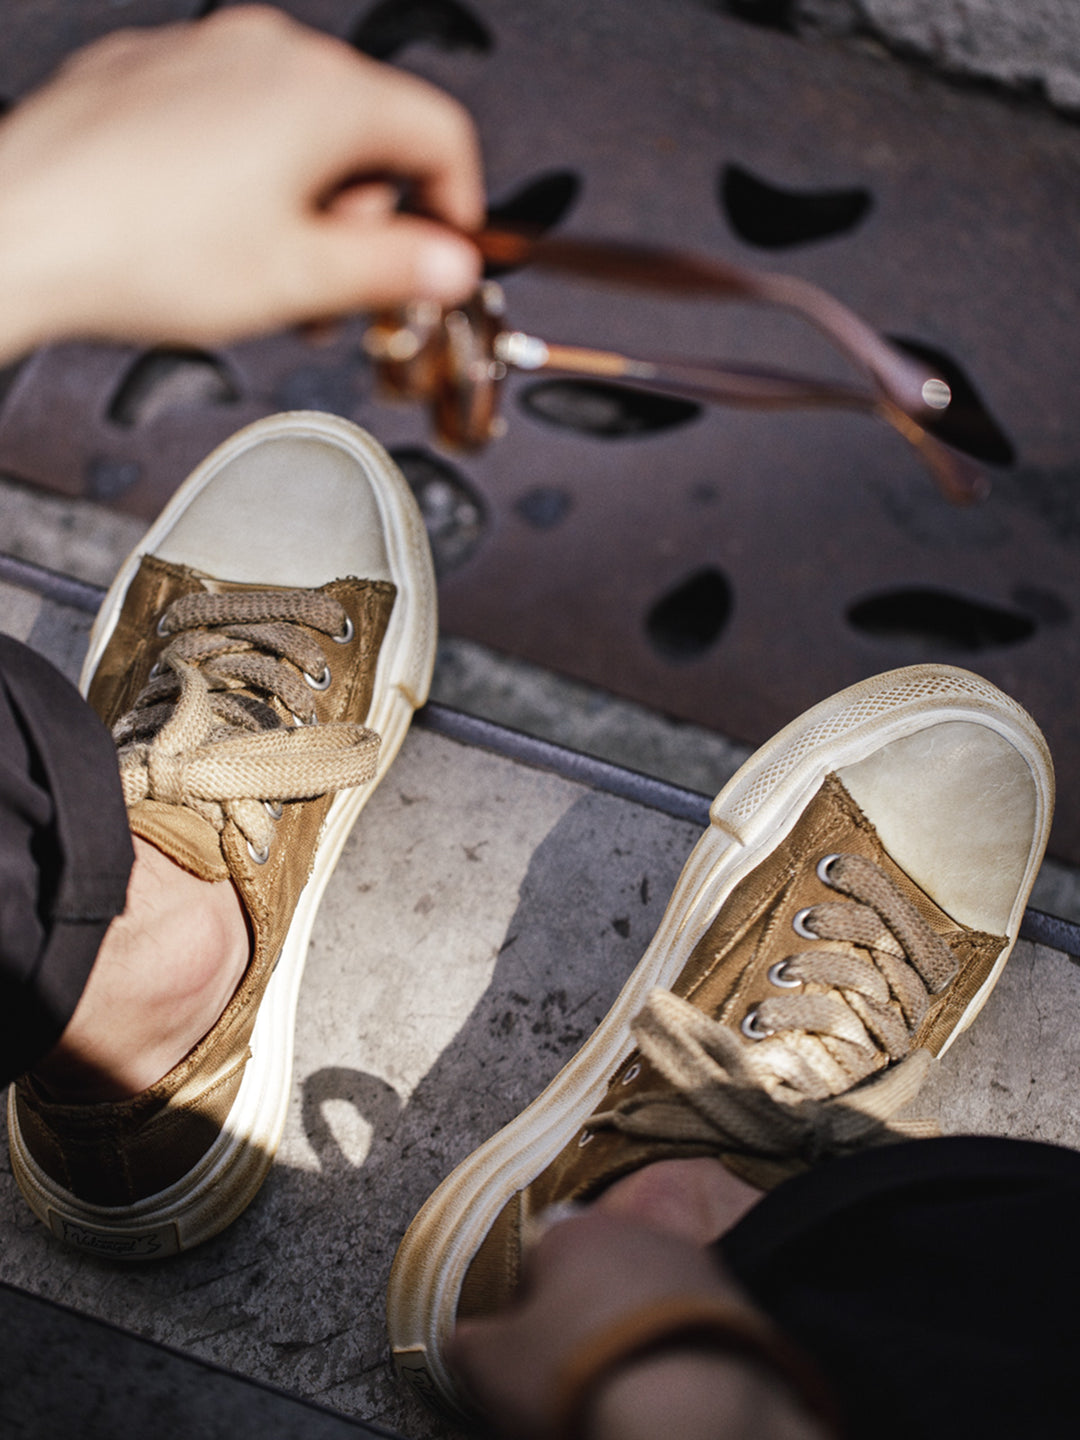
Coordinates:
[958,479]
[901,379]
[751,388]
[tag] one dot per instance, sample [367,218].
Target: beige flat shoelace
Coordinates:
[226,724]
[790,1092]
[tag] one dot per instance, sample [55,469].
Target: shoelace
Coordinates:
[226,724]
[787,1089]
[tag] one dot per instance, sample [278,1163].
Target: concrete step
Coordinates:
[485,912]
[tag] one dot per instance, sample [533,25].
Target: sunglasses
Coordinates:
[455,361]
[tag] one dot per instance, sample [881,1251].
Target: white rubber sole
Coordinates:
[748,819]
[224,1182]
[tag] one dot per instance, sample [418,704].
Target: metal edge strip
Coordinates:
[570,764]
[51,584]
[1037,926]
[1043,929]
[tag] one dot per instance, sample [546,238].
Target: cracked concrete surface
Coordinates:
[1020,1081]
[481,920]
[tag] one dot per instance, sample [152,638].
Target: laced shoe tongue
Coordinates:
[207,741]
[808,1091]
[186,838]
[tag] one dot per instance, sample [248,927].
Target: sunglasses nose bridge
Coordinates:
[447,360]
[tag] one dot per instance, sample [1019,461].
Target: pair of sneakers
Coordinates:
[844,917]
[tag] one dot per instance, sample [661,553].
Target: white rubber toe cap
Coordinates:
[956,806]
[229,528]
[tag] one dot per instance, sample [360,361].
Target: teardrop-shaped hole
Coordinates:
[689,619]
[967,423]
[454,514]
[535,208]
[940,618]
[165,380]
[611,412]
[391,26]
[770,14]
[545,506]
[775,218]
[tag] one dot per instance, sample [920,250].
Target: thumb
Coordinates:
[358,266]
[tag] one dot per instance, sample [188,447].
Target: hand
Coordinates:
[585,1273]
[204,181]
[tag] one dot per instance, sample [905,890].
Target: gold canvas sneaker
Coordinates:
[842,920]
[259,658]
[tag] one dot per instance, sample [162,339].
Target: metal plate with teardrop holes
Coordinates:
[730,568]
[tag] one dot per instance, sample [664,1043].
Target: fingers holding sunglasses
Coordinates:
[405,128]
[393,229]
[366,257]
[115,225]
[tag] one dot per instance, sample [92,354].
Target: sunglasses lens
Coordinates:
[471,378]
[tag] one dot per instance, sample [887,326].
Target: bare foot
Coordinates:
[166,969]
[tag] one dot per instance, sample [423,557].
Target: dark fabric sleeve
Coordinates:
[65,851]
[935,1283]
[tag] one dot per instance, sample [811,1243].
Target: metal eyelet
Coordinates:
[750,1027]
[155,670]
[777,974]
[632,1074]
[585,1137]
[823,869]
[161,627]
[259,856]
[348,633]
[323,681]
[274,809]
[799,925]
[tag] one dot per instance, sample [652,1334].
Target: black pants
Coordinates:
[65,851]
[935,1282]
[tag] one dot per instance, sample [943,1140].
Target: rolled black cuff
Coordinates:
[65,851]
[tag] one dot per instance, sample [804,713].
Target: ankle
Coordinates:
[698,1396]
[698,1199]
[166,969]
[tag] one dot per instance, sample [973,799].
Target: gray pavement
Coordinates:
[482,918]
